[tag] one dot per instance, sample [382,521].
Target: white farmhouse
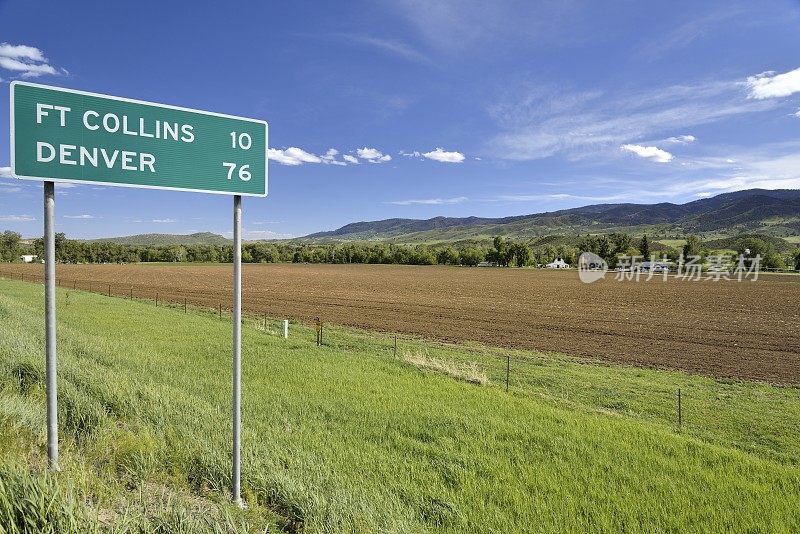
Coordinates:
[558,264]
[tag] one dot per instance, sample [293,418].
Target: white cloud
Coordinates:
[414,154]
[28,61]
[21,52]
[292,156]
[165,221]
[772,85]
[83,216]
[649,152]
[797,114]
[17,218]
[350,159]
[330,157]
[373,155]
[682,139]
[429,201]
[704,194]
[445,157]
[5,172]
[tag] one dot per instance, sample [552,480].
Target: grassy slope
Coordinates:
[345,437]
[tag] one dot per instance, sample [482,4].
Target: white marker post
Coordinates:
[285,328]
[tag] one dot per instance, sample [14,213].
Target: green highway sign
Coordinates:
[63,135]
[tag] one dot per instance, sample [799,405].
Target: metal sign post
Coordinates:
[237,347]
[64,135]
[50,323]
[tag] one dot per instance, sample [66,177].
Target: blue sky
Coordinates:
[417,108]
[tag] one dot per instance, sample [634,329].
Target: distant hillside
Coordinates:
[200,238]
[768,212]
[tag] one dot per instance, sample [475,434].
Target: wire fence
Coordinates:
[676,404]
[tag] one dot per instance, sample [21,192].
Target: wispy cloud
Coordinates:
[649,152]
[686,34]
[771,166]
[257,234]
[394,47]
[452,26]
[82,216]
[159,221]
[350,159]
[773,85]
[681,139]
[26,61]
[429,201]
[5,172]
[542,122]
[17,218]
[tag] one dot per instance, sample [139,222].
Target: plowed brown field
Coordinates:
[728,329]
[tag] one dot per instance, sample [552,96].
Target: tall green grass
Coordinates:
[347,438]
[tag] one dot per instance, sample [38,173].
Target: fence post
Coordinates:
[74,284]
[285,328]
[680,415]
[220,311]
[156,298]
[131,293]
[395,345]
[508,369]
[109,290]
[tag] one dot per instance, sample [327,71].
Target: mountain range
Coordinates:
[768,212]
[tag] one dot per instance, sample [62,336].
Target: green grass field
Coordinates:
[348,438]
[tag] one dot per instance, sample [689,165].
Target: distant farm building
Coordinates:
[654,266]
[28,258]
[558,264]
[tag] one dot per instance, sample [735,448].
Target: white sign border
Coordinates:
[133,101]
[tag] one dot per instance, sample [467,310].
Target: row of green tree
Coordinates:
[614,246]
[504,252]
